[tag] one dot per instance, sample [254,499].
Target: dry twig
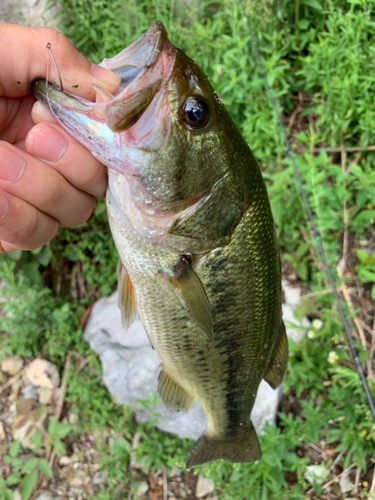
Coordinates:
[356,483]
[372,488]
[165,484]
[349,149]
[15,378]
[349,301]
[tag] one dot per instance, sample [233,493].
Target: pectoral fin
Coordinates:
[126,296]
[172,394]
[277,367]
[191,294]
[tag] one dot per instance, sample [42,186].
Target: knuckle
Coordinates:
[54,36]
[39,232]
[85,212]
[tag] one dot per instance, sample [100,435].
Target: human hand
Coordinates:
[47,179]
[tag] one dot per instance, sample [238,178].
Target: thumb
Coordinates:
[26,59]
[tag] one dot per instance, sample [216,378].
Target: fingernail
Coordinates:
[4,207]
[11,165]
[105,75]
[47,143]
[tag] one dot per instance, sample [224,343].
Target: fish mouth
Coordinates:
[144,68]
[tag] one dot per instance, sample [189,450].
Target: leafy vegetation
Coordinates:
[319,59]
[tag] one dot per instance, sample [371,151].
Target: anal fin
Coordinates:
[126,296]
[279,362]
[242,448]
[191,294]
[172,394]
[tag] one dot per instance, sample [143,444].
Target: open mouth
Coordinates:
[144,67]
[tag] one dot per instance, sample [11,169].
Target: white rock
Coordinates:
[292,295]
[2,432]
[42,373]
[345,484]
[316,473]
[46,495]
[131,368]
[295,329]
[204,487]
[11,365]
[17,495]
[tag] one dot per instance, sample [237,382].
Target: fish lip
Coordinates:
[152,43]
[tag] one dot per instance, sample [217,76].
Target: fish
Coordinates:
[191,219]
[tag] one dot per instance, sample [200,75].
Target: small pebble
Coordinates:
[46,495]
[72,418]
[45,395]
[142,488]
[176,471]
[11,365]
[64,460]
[30,391]
[204,487]
[78,479]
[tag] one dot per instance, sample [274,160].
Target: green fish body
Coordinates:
[191,220]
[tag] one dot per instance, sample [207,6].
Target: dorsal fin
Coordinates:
[126,296]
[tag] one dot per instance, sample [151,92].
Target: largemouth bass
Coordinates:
[191,220]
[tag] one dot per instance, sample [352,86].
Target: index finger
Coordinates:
[26,59]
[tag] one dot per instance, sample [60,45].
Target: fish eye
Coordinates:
[195,113]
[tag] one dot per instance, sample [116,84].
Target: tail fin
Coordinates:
[242,448]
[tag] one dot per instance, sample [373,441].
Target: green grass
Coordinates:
[323,49]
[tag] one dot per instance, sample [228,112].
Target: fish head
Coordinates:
[167,140]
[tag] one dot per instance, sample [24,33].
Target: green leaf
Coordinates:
[52,425]
[13,479]
[62,430]
[59,446]
[15,448]
[28,484]
[121,448]
[29,465]
[9,494]
[303,24]
[15,255]
[45,256]
[45,468]
[364,257]
[313,4]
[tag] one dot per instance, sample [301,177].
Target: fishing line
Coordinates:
[309,213]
